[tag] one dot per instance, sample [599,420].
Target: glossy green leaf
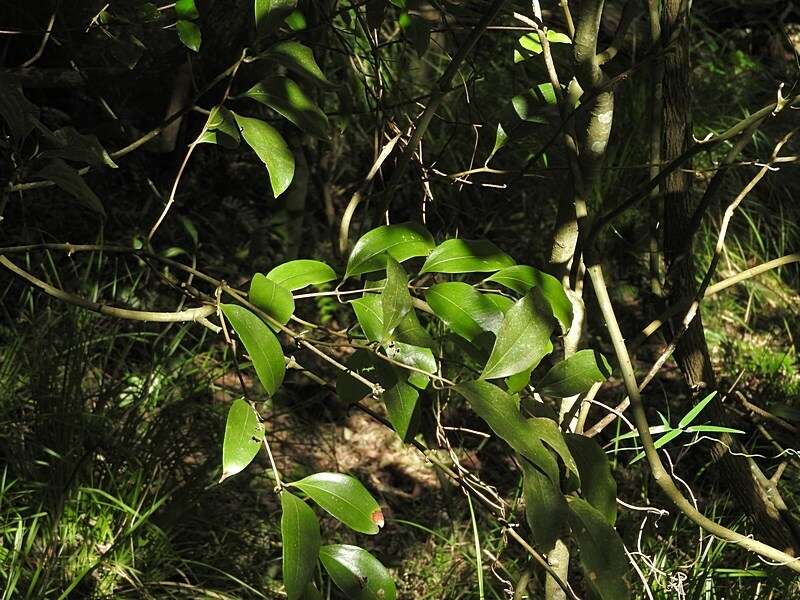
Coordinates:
[244,434]
[503,303]
[548,431]
[272,149]
[221,129]
[297,274]
[69,180]
[411,331]
[501,412]
[369,312]
[463,309]
[529,45]
[500,140]
[298,59]
[521,278]
[269,14]
[401,408]
[272,298]
[344,498]
[189,35]
[401,242]
[598,486]
[395,298]
[186,9]
[301,543]
[261,344]
[357,573]
[602,553]
[545,507]
[413,356]
[518,382]
[523,338]
[712,429]
[286,98]
[530,106]
[575,375]
[296,21]
[696,410]
[466,256]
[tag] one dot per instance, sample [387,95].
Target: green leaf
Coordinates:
[411,331]
[369,312]
[312,593]
[69,180]
[348,388]
[270,13]
[413,356]
[272,149]
[297,274]
[345,499]
[261,344]
[357,573]
[529,45]
[466,256]
[401,242]
[545,507]
[712,429]
[521,278]
[696,410]
[15,109]
[285,97]
[464,309]
[401,408]
[575,375]
[395,299]
[221,129]
[70,145]
[602,553]
[501,412]
[503,303]
[298,59]
[598,486]
[518,382]
[500,140]
[244,434]
[296,21]
[665,439]
[189,35]
[523,338]
[301,544]
[548,431]
[186,9]
[530,105]
[272,298]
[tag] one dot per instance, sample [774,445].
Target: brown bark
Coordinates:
[769,514]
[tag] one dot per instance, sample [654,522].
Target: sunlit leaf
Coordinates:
[369,312]
[186,9]
[401,242]
[298,59]
[529,44]
[272,149]
[221,129]
[189,34]
[244,434]
[285,97]
[272,298]
[357,573]
[413,356]
[297,274]
[395,298]
[270,13]
[575,375]
[696,410]
[344,498]
[301,543]
[463,309]
[466,256]
[521,278]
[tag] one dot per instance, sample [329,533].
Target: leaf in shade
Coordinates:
[369,312]
[501,412]
[530,106]
[463,309]
[312,593]
[244,435]
[301,543]
[411,331]
[401,408]
[598,486]
[545,507]
[401,242]
[272,298]
[345,499]
[16,110]
[521,278]
[286,98]
[575,375]
[271,148]
[348,388]
[269,14]
[357,573]
[395,298]
[602,553]
[413,356]
[523,338]
[466,256]
[69,180]
[376,10]
[189,35]
[221,129]
[298,59]
[297,274]
[261,344]
[70,145]
[548,431]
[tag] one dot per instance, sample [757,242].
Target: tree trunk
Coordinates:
[691,353]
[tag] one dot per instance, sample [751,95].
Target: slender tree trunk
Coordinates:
[692,353]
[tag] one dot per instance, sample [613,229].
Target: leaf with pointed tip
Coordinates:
[401,408]
[269,14]
[244,434]
[669,435]
[529,44]
[301,543]
[369,312]
[271,148]
[466,256]
[69,144]
[297,274]
[345,499]
[272,298]
[411,331]
[602,553]
[357,573]
[401,242]
[575,375]
[501,412]
[545,507]
[521,278]
[696,410]
[69,180]
[261,344]
[221,129]
[298,59]
[503,303]
[395,298]
[189,34]
[548,431]
[598,486]
[523,338]
[464,309]
[186,9]
[413,356]
[286,98]
[312,593]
